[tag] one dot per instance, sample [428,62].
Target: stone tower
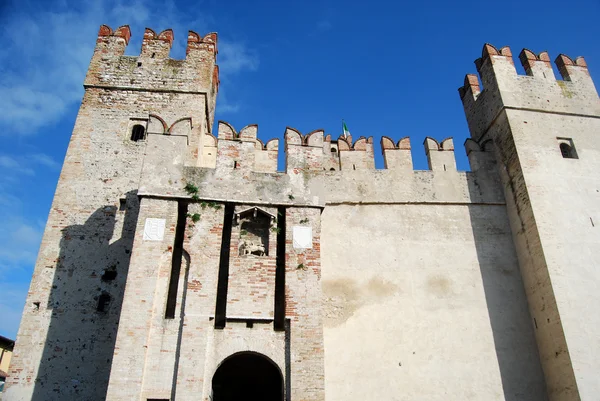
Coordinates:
[69,326]
[544,132]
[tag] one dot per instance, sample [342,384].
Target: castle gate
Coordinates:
[247,376]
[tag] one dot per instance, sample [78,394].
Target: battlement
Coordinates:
[315,152]
[246,170]
[503,87]
[153,70]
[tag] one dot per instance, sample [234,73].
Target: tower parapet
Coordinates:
[504,88]
[153,70]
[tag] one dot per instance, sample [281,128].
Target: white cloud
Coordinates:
[235,57]
[44,160]
[10,165]
[47,51]
[19,243]
[13,166]
[12,299]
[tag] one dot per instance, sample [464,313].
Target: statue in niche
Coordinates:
[248,247]
[255,225]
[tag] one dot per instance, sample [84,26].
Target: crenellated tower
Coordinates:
[543,132]
[68,330]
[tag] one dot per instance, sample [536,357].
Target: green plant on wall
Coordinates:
[192,190]
[195,217]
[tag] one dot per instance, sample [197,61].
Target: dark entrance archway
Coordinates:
[247,376]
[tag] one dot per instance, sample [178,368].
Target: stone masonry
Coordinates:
[175,250]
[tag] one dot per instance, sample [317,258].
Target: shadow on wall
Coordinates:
[516,349]
[85,300]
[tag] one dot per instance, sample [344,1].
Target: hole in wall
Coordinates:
[109,274]
[103,301]
[138,133]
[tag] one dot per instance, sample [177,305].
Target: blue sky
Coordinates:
[388,67]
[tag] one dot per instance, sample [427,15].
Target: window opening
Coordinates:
[103,302]
[567,148]
[333,150]
[138,133]
[566,151]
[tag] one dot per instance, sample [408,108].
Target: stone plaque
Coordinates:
[302,237]
[154,229]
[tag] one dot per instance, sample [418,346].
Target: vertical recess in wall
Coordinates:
[182,208]
[279,321]
[221,309]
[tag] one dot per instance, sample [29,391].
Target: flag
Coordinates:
[345,131]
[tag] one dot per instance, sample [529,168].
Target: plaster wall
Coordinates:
[425,299]
[564,196]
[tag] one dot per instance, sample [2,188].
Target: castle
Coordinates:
[178,263]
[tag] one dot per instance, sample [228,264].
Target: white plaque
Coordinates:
[154,229]
[302,237]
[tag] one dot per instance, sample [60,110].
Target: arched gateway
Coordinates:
[247,376]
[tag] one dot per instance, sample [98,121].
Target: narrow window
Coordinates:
[235,165]
[103,302]
[138,133]
[567,148]
[566,151]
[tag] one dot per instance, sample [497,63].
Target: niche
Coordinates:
[255,225]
